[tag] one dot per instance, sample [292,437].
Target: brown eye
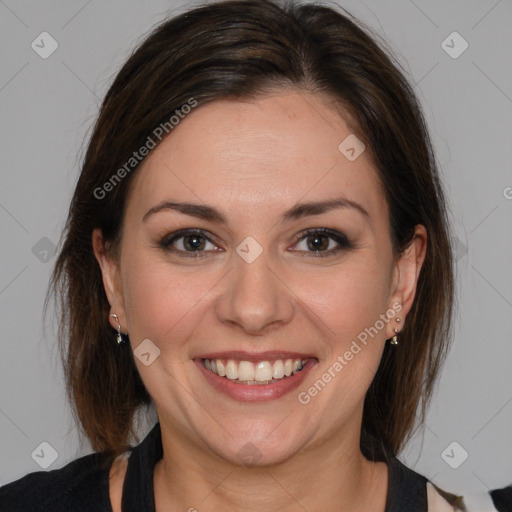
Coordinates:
[323,242]
[194,242]
[318,242]
[188,243]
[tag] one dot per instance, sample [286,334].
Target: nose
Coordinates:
[255,299]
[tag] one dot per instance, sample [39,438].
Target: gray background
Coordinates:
[47,106]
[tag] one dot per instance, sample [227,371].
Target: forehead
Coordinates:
[274,149]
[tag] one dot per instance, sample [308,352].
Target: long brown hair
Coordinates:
[240,49]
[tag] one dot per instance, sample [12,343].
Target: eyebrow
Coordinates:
[298,211]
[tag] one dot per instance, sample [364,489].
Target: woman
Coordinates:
[259,218]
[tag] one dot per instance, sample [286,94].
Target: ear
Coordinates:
[405,277]
[111,279]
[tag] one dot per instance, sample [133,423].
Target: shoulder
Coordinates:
[497,500]
[81,485]
[502,498]
[409,490]
[442,501]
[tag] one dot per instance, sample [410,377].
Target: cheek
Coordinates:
[162,304]
[348,298]
[350,302]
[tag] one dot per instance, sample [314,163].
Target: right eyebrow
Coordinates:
[195,210]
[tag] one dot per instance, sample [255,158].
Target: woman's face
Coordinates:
[250,285]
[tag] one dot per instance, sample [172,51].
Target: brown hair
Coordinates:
[240,49]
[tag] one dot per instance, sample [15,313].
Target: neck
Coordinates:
[330,476]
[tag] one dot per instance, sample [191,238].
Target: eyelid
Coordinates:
[169,237]
[167,240]
[340,238]
[333,233]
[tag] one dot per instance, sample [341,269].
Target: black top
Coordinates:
[83,485]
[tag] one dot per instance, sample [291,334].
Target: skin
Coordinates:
[253,161]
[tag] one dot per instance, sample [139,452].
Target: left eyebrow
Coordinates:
[317,208]
[298,211]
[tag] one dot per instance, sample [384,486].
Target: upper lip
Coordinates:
[240,355]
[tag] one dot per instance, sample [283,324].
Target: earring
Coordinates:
[119,337]
[394,339]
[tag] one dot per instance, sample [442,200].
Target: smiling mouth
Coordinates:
[250,373]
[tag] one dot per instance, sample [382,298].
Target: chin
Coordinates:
[249,450]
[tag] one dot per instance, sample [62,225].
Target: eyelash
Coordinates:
[338,237]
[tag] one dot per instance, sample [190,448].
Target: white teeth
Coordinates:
[278,370]
[263,371]
[231,370]
[246,371]
[221,370]
[253,373]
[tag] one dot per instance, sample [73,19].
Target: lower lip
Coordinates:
[255,392]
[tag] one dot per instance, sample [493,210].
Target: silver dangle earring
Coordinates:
[394,339]
[119,337]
